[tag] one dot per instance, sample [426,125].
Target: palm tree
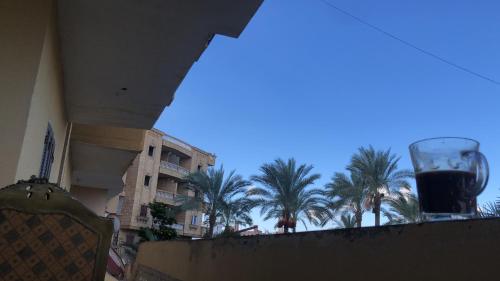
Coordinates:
[347,195]
[217,190]
[347,221]
[490,209]
[236,212]
[403,208]
[285,196]
[379,170]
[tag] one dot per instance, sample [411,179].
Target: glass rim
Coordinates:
[442,138]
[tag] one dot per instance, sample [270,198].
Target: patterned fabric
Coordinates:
[45,247]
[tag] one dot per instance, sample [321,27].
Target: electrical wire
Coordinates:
[411,45]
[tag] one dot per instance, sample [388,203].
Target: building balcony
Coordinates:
[142,219]
[179,228]
[165,197]
[173,170]
[177,142]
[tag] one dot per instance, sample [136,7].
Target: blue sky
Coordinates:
[305,81]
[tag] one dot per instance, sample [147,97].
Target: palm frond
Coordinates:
[284,191]
[219,191]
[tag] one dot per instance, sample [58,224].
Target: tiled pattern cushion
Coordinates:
[45,247]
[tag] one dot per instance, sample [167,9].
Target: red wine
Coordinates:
[446,191]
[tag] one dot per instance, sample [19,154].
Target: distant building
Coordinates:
[252,232]
[158,174]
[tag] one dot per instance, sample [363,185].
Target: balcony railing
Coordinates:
[142,219]
[164,195]
[174,167]
[177,142]
[178,226]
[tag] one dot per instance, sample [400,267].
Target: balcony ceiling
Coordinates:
[99,167]
[124,59]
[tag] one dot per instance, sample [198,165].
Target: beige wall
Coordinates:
[135,192]
[167,184]
[23,26]
[92,198]
[47,106]
[458,251]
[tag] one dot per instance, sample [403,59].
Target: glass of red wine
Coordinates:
[450,174]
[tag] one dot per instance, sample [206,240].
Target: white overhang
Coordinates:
[100,155]
[124,59]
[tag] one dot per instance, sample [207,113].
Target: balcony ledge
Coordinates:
[454,250]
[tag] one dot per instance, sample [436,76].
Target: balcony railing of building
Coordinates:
[178,226]
[165,195]
[142,219]
[177,142]
[174,167]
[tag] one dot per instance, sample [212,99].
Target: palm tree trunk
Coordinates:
[211,225]
[377,217]
[359,218]
[376,208]
[285,229]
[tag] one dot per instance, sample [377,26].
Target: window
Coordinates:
[48,153]
[199,168]
[144,211]
[151,150]
[147,179]
[194,220]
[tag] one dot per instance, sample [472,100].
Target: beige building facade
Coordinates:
[158,174]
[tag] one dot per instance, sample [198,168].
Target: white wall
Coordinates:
[47,106]
[22,31]
[93,198]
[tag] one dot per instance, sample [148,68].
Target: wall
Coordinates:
[92,198]
[22,29]
[167,184]
[460,250]
[134,190]
[47,106]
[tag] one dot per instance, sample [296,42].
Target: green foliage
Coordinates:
[284,194]
[218,190]
[237,212]
[403,208]
[228,232]
[490,209]
[379,172]
[346,221]
[346,195]
[163,218]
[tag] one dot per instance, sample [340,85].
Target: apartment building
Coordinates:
[158,174]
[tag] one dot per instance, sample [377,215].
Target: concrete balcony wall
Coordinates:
[167,184]
[165,197]
[459,250]
[173,170]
